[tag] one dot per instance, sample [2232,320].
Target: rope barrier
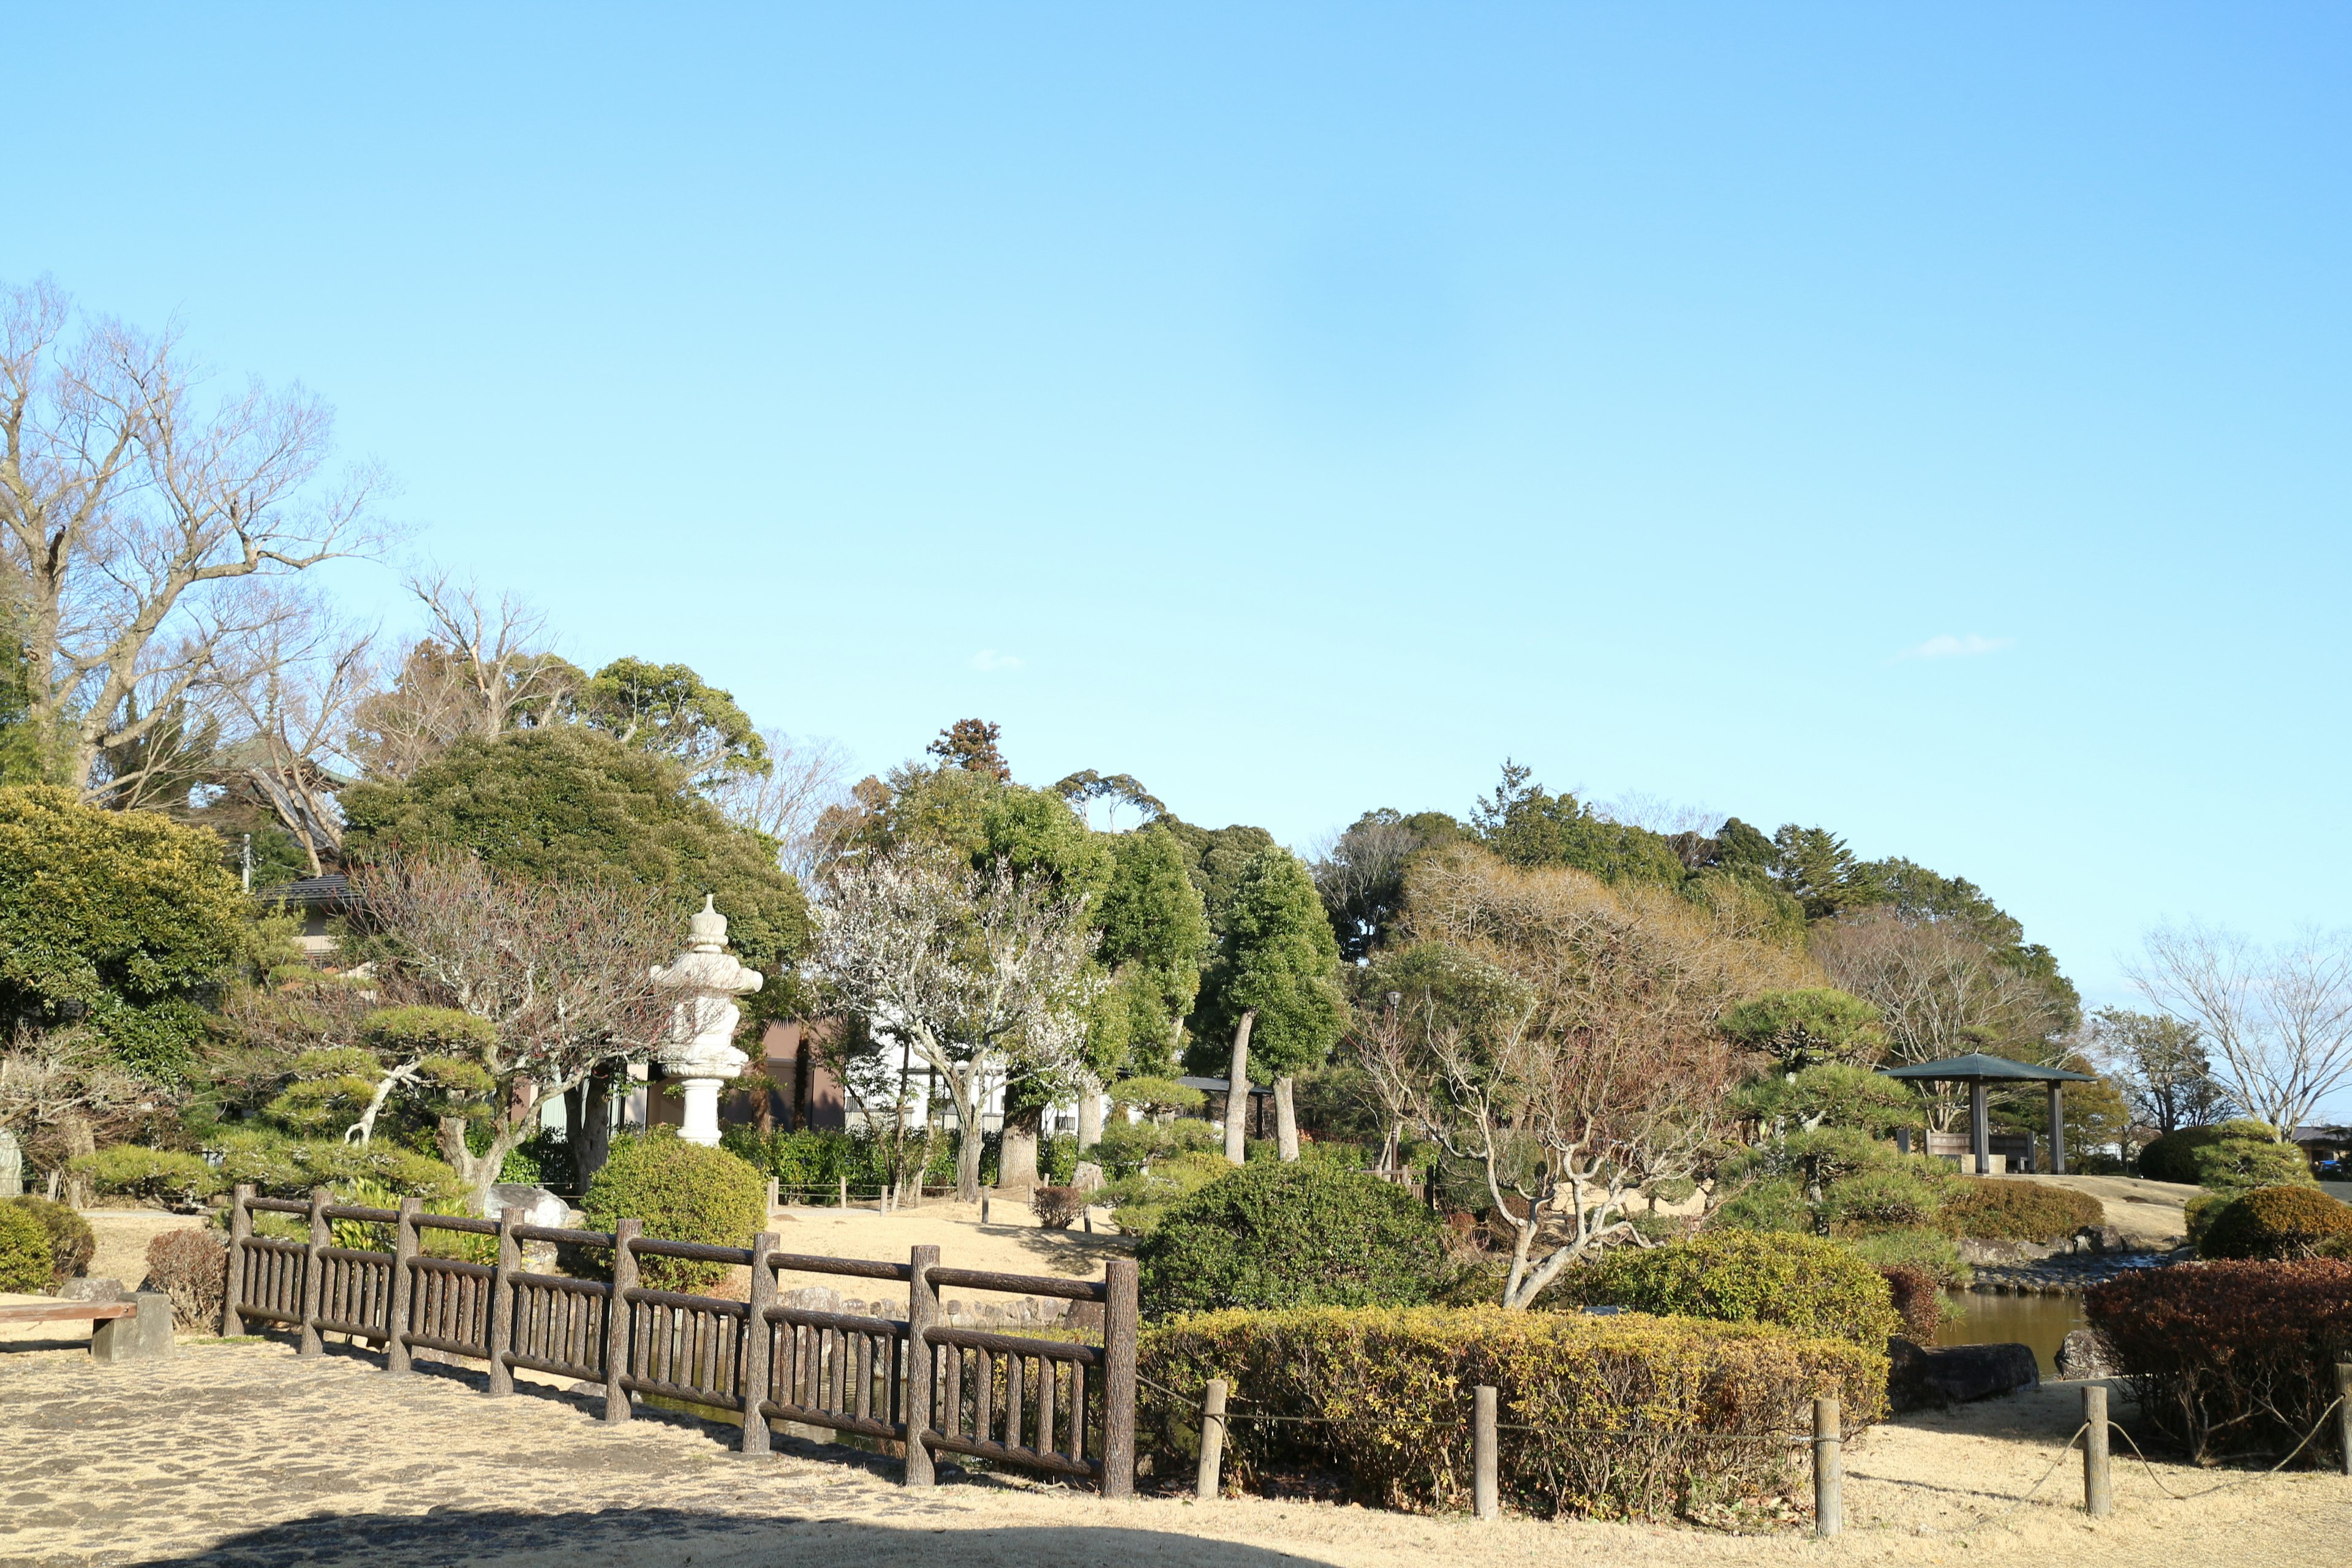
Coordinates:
[2317,1427]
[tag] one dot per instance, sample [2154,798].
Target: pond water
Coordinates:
[2040,1321]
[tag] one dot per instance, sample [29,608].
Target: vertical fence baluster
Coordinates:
[922,1312]
[951,1412]
[1121,1324]
[616,1320]
[1078,1410]
[1016,1368]
[1048,1375]
[499,1340]
[241,1230]
[314,1270]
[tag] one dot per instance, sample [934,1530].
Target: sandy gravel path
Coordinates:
[240,1453]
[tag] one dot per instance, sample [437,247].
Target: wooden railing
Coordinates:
[1061,1406]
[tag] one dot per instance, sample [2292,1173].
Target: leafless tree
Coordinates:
[979,972]
[1571,1054]
[483,668]
[2280,1021]
[58,1088]
[559,971]
[298,707]
[143,529]
[791,803]
[1656,813]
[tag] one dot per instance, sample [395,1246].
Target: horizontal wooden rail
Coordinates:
[848,1267]
[561,1237]
[834,1420]
[693,1251]
[470,1226]
[356,1331]
[280,1205]
[642,1297]
[714,1398]
[561,1282]
[981,1448]
[457,1265]
[846,1323]
[1017,1284]
[1013,1344]
[372,1216]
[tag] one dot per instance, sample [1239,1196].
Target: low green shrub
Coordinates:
[2239,1164]
[289,1168]
[1873,1201]
[24,1265]
[1381,1395]
[191,1267]
[1127,1148]
[2174,1156]
[1984,1209]
[2198,1213]
[1141,1197]
[2232,1360]
[1292,1234]
[1157,1097]
[2279,1222]
[1776,1204]
[681,1192]
[1808,1284]
[156,1175]
[1931,1252]
[72,1244]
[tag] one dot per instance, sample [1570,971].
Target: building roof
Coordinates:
[1218,1085]
[1977,1065]
[332,890]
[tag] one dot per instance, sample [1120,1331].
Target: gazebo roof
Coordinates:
[1977,1065]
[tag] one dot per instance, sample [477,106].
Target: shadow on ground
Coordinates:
[656,1537]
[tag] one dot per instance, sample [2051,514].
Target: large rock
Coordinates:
[2086,1355]
[1920,1378]
[538,1207]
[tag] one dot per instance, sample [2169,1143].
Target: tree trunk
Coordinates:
[478,1171]
[78,1140]
[1237,1090]
[1090,1113]
[1016,1157]
[593,1141]
[1286,1120]
[967,1099]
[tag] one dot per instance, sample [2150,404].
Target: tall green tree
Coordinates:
[1528,827]
[1155,939]
[670,710]
[1276,979]
[1814,867]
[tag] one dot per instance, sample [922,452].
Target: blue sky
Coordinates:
[1929,422]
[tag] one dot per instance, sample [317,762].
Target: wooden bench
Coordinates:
[139,1329]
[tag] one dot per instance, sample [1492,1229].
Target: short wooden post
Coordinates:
[2344,1414]
[1829,1469]
[617,1319]
[1121,1323]
[844,1192]
[502,1273]
[314,1273]
[773,1183]
[1485,1469]
[240,1229]
[983,1205]
[1206,1485]
[404,1284]
[759,1338]
[2098,1480]
[922,1312]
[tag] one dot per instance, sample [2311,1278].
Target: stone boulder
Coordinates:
[1922,1379]
[2086,1355]
[540,1207]
[97,1290]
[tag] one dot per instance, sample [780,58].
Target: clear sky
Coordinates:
[1926,421]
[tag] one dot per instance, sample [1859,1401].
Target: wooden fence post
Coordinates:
[404,1283]
[2344,1414]
[502,1335]
[2098,1481]
[759,1338]
[240,1227]
[922,1311]
[314,1272]
[773,1182]
[1206,1485]
[1121,1322]
[844,1192]
[983,1205]
[617,1319]
[1829,1469]
[1485,1470]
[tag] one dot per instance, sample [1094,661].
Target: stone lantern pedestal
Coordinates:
[701,1051]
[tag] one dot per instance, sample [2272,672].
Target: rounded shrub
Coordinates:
[72,1244]
[2237,1164]
[23,1253]
[156,1175]
[2282,1223]
[1803,1282]
[1282,1233]
[2173,1157]
[1988,1210]
[681,1192]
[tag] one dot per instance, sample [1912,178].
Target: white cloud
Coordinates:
[1946,645]
[988,658]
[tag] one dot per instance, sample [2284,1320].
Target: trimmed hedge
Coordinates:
[1805,1283]
[72,1244]
[1393,1386]
[1917,1299]
[1304,1233]
[24,1268]
[191,1267]
[2176,1156]
[2282,1223]
[1986,1210]
[2232,1360]
[1930,1252]
[683,1192]
[158,1175]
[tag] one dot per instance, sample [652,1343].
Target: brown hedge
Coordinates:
[1615,1403]
[1989,1210]
[2230,1360]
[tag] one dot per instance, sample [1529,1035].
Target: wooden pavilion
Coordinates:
[1977,1071]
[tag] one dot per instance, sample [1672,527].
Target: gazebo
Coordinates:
[1977,1071]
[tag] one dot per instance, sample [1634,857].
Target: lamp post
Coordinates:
[699,1050]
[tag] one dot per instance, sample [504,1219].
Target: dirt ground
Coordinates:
[238,1452]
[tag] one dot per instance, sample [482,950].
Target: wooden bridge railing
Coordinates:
[1060,1407]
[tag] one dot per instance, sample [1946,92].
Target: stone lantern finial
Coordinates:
[707,932]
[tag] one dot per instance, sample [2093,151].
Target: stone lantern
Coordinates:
[700,1051]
